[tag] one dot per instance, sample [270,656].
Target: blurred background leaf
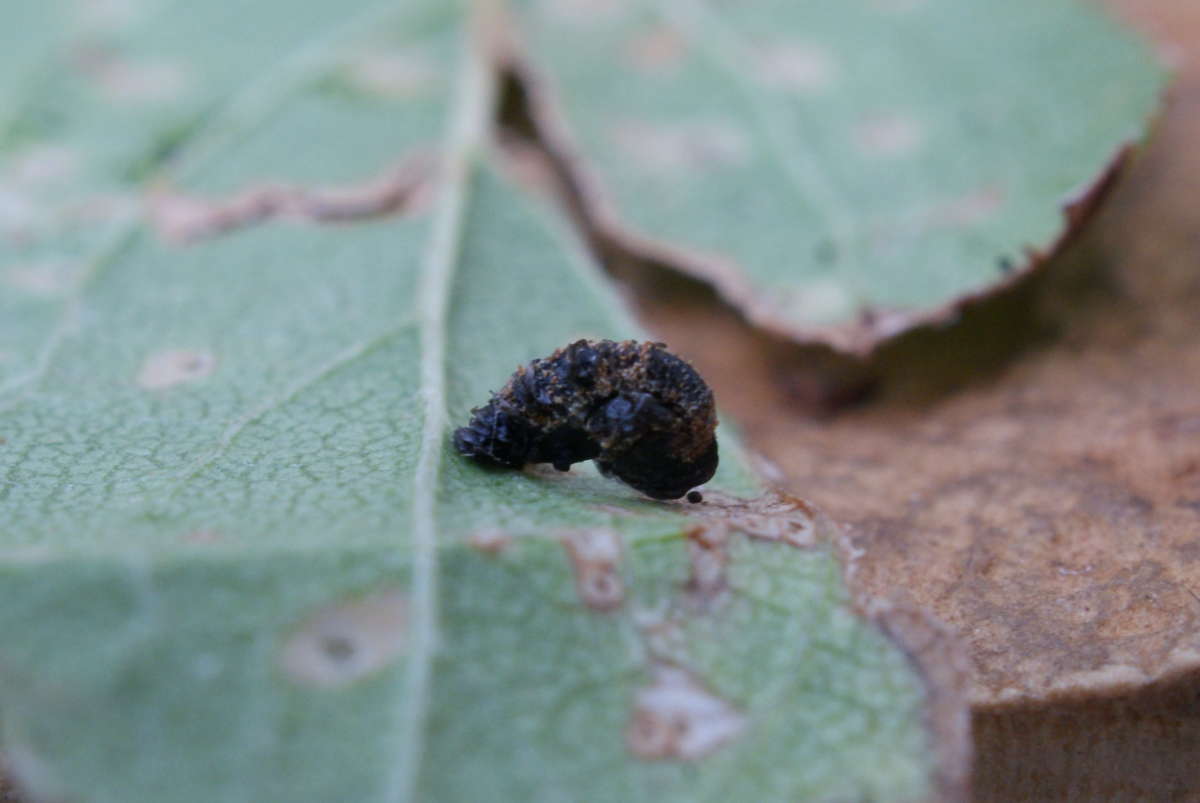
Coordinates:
[840,172]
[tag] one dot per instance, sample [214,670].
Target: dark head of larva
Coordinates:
[644,415]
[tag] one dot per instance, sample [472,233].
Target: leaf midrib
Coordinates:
[474,102]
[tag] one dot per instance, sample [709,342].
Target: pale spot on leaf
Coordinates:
[166,369]
[44,164]
[135,82]
[675,717]
[661,634]
[682,148]
[180,218]
[109,208]
[658,50]
[595,557]
[43,278]
[817,301]
[582,12]
[109,15]
[392,74]
[795,66]
[970,209]
[348,641]
[889,135]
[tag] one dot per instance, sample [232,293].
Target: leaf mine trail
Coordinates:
[182,219]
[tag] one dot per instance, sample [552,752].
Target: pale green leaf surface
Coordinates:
[162,548]
[835,158]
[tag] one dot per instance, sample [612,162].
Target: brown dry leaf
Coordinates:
[1049,511]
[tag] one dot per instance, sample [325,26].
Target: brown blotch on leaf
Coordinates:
[658,50]
[203,537]
[774,516]
[182,219]
[171,367]
[676,717]
[707,559]
[347,641]
[595,559]
[490,540]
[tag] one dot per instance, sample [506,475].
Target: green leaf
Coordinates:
[840,171]
[239,560]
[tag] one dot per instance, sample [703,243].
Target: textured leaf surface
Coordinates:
[840,170]
[238,561]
